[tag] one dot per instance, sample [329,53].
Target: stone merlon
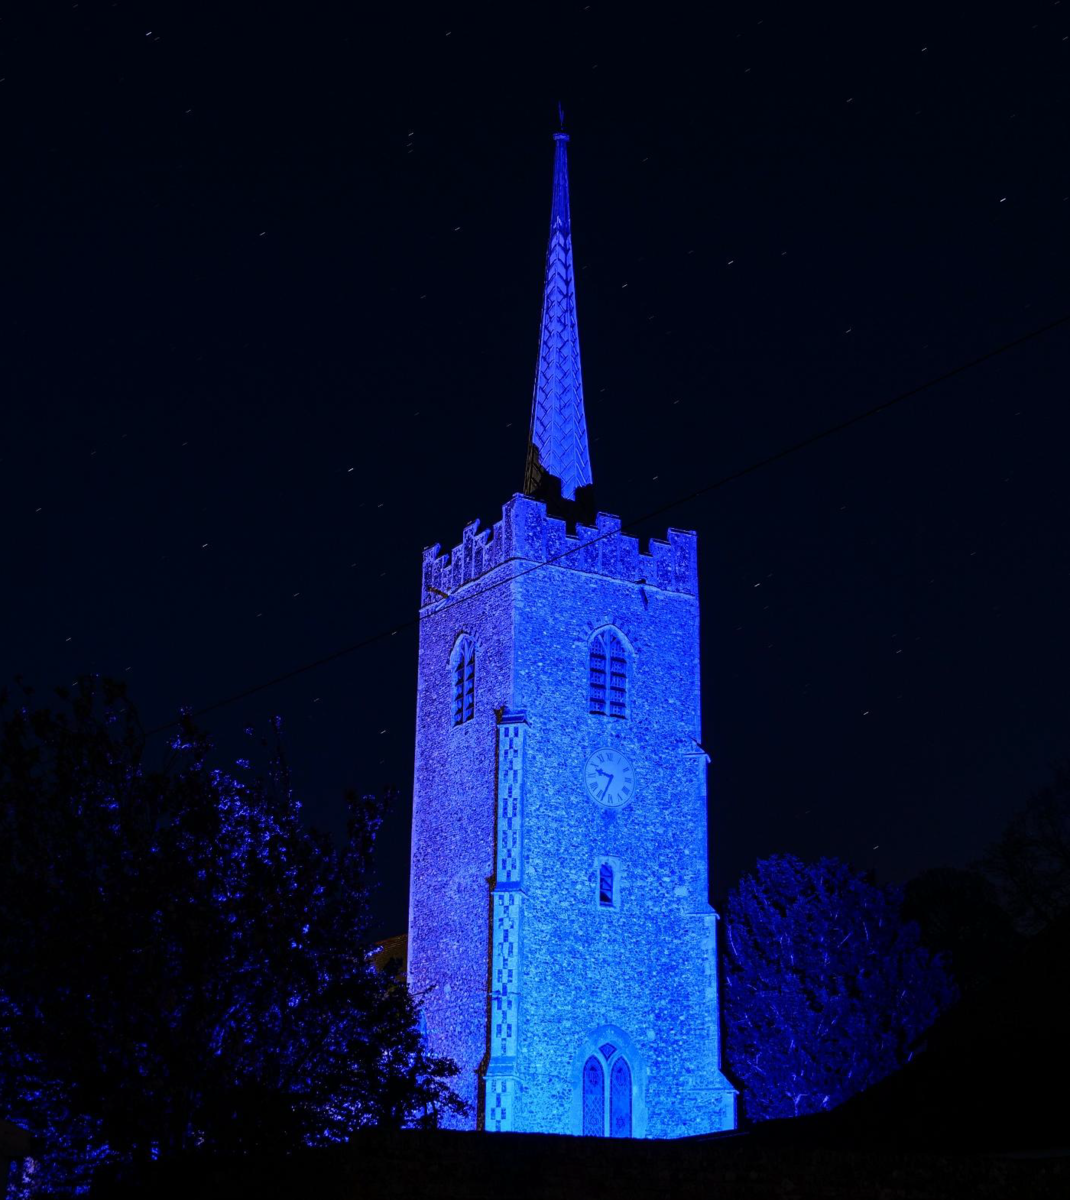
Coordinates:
[527,534]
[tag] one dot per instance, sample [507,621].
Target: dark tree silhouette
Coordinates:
[826,986]
[183,964]
[961,918]
[1030,862]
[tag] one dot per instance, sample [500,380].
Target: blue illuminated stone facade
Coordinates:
[559,925]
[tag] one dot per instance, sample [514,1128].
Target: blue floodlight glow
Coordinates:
[559,801]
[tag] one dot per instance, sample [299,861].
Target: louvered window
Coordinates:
[598,676]
[608,675]
[618,678]
[464,681]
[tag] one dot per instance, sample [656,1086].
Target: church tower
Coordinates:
[559,926]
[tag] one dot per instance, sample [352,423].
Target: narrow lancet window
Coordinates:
[618,678]
[620,1100]
[464,680]
[598,676]
[594,1098]
[607,894]
[608,675]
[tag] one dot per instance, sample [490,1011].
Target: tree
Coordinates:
[826,987]
[183,964]
[959,915]
[1030,862]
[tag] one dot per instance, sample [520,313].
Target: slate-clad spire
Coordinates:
[557,441]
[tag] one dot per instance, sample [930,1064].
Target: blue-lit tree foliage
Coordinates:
[183,965]
[826,985]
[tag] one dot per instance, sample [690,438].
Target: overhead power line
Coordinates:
[705,489]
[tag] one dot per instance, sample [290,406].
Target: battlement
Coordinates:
[527,533]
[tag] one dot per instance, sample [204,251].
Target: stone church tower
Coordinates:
[558,913]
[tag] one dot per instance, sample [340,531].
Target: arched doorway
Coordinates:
[607,1093]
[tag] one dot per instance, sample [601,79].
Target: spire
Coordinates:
[557,441]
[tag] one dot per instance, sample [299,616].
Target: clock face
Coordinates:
[609,778]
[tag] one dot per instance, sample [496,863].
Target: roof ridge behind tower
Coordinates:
[558,460]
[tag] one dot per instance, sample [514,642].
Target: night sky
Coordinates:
[272,283]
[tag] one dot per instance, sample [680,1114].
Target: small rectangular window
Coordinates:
[607,891]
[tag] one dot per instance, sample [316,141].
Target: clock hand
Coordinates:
[608,785]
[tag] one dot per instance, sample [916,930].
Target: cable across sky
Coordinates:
[632,522]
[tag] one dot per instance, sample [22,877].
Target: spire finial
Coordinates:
[557,440]
[561,116]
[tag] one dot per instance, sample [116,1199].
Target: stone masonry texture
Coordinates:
[524,974]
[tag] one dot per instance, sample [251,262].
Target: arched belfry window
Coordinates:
[607,677]
[463,669]
[607,1112]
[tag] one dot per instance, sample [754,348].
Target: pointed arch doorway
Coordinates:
[607,1093]
[608,1080]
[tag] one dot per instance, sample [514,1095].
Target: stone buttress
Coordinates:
[560,935]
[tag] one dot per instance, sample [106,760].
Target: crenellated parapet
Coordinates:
[527,534]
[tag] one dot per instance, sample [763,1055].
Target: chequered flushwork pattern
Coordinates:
[558,437]
[632,976]
[503,993]
[501,1093]
[510,766]
[505,935]
[500,798]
